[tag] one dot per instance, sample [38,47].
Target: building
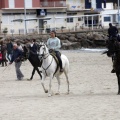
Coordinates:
[55,14]
[40,14]
[90,12]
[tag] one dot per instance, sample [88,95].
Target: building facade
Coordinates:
[55,14]
[40,14]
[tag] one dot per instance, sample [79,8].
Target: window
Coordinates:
[71,14]
[5,20]
[80,19]
[28,3]
[69,20]
[11,4]
[107,19]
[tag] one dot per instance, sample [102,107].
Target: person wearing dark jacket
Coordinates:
[9,50]
[113,35]
[112,31]
[33,47]
[16,57]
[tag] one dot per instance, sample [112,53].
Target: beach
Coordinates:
[93,91]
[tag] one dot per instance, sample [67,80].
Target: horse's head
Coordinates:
[112,46]
[43,50]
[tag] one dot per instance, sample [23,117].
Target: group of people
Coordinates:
[6,48]
[15,51]
[17,56]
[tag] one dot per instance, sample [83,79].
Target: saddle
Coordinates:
[52,52]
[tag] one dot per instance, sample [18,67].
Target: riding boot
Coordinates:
[60,61]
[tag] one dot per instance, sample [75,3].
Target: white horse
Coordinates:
[49,67]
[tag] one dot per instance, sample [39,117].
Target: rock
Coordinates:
[98,36]
[73,45]
[100,43]
[70,35]
[62,36]
[72,39]
[84,43]
[81,35]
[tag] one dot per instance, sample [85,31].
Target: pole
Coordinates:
[25,32]
[118,13]
[0,20]
[92,22]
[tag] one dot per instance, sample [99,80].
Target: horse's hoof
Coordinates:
[118,93]
[57,93]
[46,91]
[49,95]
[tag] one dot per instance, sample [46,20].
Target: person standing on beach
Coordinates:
[33,47]
[19,46]
[113,35]
[9,49]
[100,24]
[16,57]
[112,31]
[3,52]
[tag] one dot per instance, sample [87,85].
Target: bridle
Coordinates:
[43,56]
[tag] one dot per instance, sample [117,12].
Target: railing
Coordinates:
[53,4]
[80,6]
[57,29]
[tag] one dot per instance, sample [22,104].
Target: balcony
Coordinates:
[75,7]
[55,4]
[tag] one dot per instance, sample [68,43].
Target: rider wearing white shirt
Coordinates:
[54,44]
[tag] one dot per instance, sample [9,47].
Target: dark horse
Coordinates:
[34,60]
[113,47]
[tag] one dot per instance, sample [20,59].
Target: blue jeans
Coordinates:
[9,56]
[18,71]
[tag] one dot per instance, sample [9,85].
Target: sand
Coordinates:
[93,92]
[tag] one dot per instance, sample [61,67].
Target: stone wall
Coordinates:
[69,40]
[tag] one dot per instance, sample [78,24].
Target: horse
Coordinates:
[49,69]
[113,51]
[33,59]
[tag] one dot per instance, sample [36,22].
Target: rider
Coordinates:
[113,33]
[54,43]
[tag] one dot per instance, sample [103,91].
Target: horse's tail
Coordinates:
[66,67]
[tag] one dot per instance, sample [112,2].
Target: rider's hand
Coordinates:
[51,50]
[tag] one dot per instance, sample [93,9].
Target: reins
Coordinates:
[43,57]
[45,69]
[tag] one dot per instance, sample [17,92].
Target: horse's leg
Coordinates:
[58,79]
[50,85]
[39,72]
[118,77]
[66,75]
[42,82]
[33,72]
